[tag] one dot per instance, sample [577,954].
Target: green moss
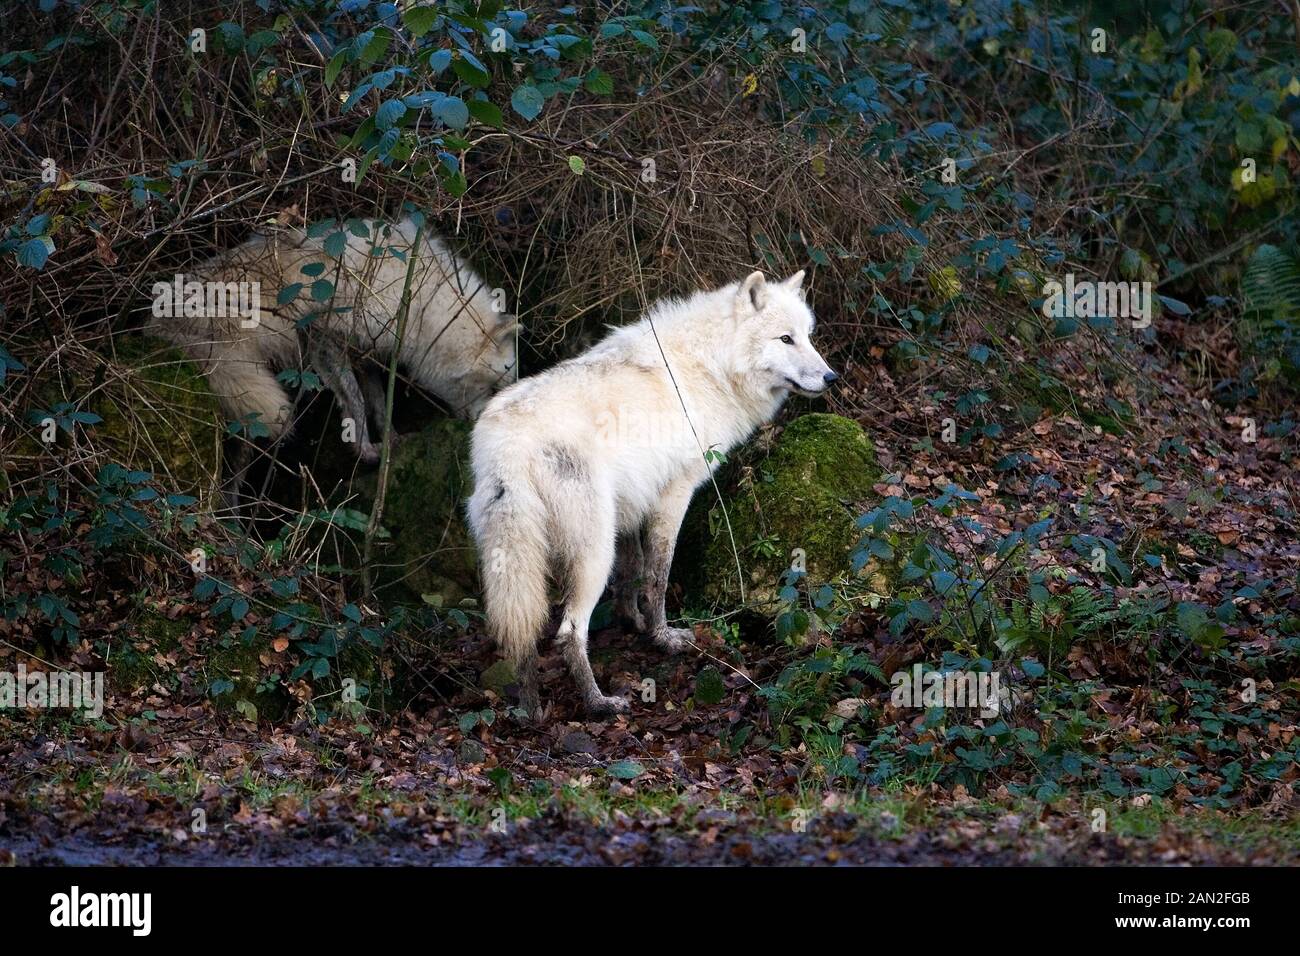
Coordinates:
[237,662]
[131,665]
[804,493]
[158,414]
[430,551]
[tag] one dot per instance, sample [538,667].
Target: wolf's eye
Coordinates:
[787,340]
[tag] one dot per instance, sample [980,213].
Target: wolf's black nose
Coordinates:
[829,377]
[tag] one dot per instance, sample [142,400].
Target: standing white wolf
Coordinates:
[455,345]
[602,453]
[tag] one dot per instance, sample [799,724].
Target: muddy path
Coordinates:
[552,840]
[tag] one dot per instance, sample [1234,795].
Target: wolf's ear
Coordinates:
[795,282]
[752,294]
[506,327]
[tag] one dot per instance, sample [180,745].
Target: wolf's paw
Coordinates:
[674,640]
[607,706]
[531,707]
[630,612]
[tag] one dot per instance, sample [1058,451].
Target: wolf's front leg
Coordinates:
[660,542]
[328,353]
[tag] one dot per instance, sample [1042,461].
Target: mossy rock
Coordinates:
[158,415]
[803,492]
[430,551]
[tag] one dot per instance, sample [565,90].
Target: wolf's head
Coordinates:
[494,366]
[775,326]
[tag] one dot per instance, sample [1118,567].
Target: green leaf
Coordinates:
[471,74]
[390,111]
[452,111]
[626,770]
[645,39]
[376,47]
[527,101]
[335,243]
[598,81]
[489,114]
[577,166]
[709,687]
[1175,306]
[334,67]
[419,20]
[920,611]
[34,253]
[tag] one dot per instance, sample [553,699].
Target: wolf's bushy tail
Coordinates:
[508,518]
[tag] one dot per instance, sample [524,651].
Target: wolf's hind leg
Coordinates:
[660,542]
[589,550]
[329,355]
[629,573]
[374,386]
[526,675]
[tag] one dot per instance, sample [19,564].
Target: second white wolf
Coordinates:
[599,457]
[455,344]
